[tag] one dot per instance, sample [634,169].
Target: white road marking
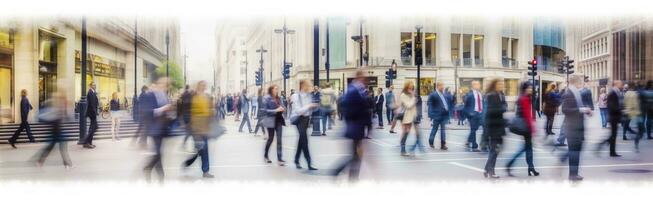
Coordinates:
[467,166]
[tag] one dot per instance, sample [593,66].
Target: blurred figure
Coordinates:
[237,108]
[91,113]
[494,125]
[230,104]
[116,114]
[647,106]
[354,100]
[474,110]
[157,106]
[284,102]
[25,108]
[244,107]
[615,108]
[184,111]
[339,105]
[201,115]
[327,100]
[451,98]
[408,105]
[53,114]
[259,114]
[389,104]
[370,113]
[274,121]
[303,106]
[586,95]
[574,124]
[625,122]
[603,107]
[143,118]
[254,102]
[525,111]
[552,101]
[438,110]
[633,111]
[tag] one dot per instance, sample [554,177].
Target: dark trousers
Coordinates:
[202,145]
[57,138]
[626,127]
[258,125]
[354,163]
[271,131]
[379,116]
[91,130]
[493,152]
[418,140]
[326,118]
[141,136]
[302,142]
[155,160]
[242,123]
[549,124]
[575,147]
[24,125]
[474,123]
[649,124]
[612,140]
[443,136]
[640,131]
[528,149]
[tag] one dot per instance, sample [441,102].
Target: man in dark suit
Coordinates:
[586,95]
[473,109]
[355,101]
[615,108]
[378,107]
[438,107]
[91,113]
[25,108]
[574,124]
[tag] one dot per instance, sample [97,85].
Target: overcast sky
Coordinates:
[198,43]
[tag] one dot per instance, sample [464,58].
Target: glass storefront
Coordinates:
[47,66]
[108,75]
[6,81]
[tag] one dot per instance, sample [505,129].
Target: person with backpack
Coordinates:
[327,100]
[525,112]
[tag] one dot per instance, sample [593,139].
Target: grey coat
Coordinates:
[574,123]
[268,113]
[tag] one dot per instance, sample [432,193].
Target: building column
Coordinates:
[444,42]
[492,43]
[26,66]
[66,66]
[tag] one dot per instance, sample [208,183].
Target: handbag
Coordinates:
[517,125]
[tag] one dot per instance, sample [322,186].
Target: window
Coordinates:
[508,51]
[429,48]
[467,50]
[406,48]
[455,49]
[478,50]
[512,87]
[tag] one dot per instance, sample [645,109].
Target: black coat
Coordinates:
[495,125]
[379,102]
[615,106]
[93,103]
[574,122]
[25,107]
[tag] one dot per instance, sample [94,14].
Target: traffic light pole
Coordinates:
[418,62]
[315,116]
[82,106]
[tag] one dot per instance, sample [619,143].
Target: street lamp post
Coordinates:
[261,51]
[316,75]
[185,57]
[327,65]
[285,31]
[246,73]
[135,99]
[167,54]
[82,101]
[360,44]
[418,62]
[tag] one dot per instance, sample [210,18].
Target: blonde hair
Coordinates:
[114,95]
[408,84]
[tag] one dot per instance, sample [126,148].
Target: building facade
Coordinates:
[456,49]
[43,55]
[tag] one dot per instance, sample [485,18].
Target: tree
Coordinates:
[176,76]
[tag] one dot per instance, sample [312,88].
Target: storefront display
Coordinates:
[107,74]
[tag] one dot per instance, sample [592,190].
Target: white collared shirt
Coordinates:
[477,104]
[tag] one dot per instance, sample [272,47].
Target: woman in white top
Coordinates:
[302,108]
[407,105]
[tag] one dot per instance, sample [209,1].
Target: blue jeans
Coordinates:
[438,123]
[326,117]
[604,117]
[562,137]
[388,113]
[202,146]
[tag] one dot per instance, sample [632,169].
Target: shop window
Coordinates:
[512,87]
[406,48]
[467,50]
[429,48]
[478,50]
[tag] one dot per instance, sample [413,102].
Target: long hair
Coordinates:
[408,84]
[492,86]
[551,88]
[275,97]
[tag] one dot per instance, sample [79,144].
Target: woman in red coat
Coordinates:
[525,110]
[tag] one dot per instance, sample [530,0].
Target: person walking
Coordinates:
[303,107]
[615,111]
[354,100]
[116,114]
[274,121]
[647,106]
[244,107]
[259,114]
[603,107]
[254,102]
[438,110]
[494,126]
[158,107]
[474,111]
[201,114]
[143,120]
[408,105]
[552,102]
[525,111]
[378,107]
[25,108]
[237,108]
[574,124]
[184,112]
[389,104]
[633,111]
[91,113]
[327,100]
[54,112]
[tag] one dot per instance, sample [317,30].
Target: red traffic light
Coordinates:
[534,62]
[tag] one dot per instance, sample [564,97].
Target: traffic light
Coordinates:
[259,82]
[570,66]
[561,67]
[532,68]
[394,74]
[587,79]
[286,71]
[388,74]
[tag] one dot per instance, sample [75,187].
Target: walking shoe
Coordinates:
[12,143]
[89,146]
[207,175]
[443,147]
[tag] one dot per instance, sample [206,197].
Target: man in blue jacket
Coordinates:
[473,109]
[25,108]
[438,105]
